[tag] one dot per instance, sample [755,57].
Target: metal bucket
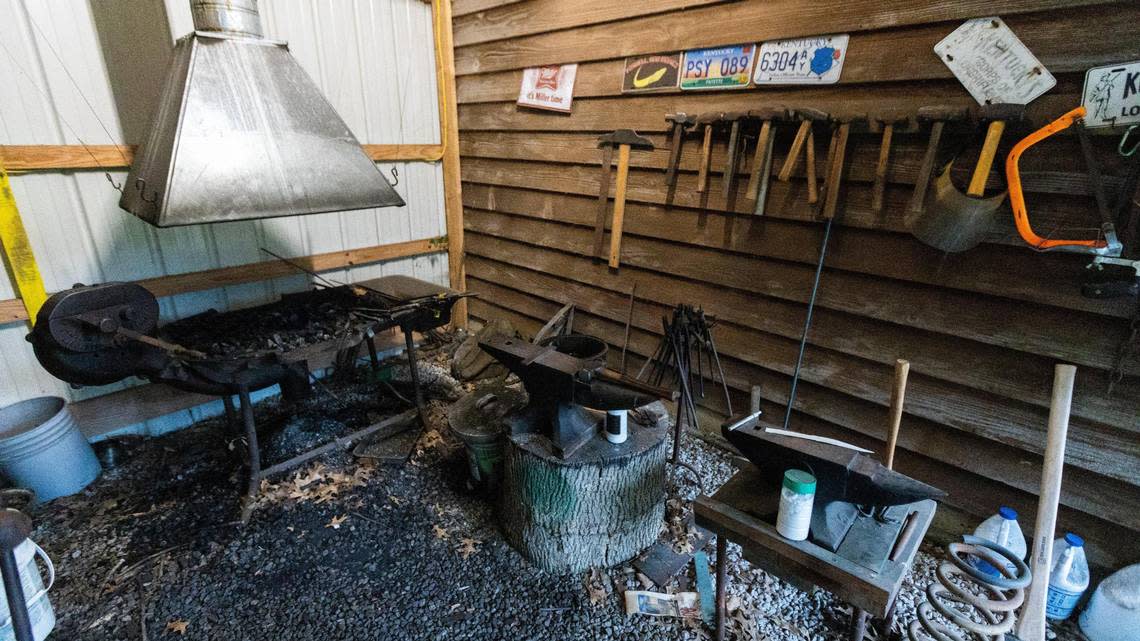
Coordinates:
[42,449]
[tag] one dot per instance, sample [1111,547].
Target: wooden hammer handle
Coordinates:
[759,160]
[835,172]
[986,158]
[880,186]
[619,206]
[794,153]
[926,170]
[812,184]
[706,160]
[898,393]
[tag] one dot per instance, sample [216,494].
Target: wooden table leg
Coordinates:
[721,578]
[858,624]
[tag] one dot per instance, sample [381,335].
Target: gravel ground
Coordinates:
[344,549]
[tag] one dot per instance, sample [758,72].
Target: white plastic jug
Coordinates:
[1002,529]
[1113,612]
[40,612]
[1068,577]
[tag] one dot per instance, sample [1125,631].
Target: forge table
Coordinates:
[743,511]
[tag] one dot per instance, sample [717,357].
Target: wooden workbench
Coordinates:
[743,511]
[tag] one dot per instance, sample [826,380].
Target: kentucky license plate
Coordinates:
[719,68]
[817,61]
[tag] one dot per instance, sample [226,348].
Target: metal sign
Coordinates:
[1112,95]
[801,61]
[548,87]
[651,73]
[992,64]
[718,68]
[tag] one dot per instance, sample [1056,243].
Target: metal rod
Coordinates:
[394,423]
[628,323]
[721,579]
[17,607]
[807,322]
[410,347]
[254,455]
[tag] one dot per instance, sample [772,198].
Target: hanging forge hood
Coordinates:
[242,132]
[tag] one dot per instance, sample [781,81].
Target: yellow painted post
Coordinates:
[18,251]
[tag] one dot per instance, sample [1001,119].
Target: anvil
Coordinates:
[846,478]
[562,378]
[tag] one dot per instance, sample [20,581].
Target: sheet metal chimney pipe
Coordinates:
[236,17]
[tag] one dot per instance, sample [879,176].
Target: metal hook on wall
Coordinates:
[1124,141]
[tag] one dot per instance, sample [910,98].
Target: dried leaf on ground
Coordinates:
[467,547]
[441,533]
[598,585]
[336,522]
[177,626]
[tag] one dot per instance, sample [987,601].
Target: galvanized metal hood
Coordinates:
[242,132]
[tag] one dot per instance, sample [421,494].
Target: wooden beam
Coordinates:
[465,7]
[449,135]
[12,310]
[64,157]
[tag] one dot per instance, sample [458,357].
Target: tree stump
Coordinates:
[601,506]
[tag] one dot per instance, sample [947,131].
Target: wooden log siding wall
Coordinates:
[982,329]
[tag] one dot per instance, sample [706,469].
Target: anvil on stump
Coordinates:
[569,499]
[848,481]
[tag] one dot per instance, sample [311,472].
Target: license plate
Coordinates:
[993,64]
[1112,95]
[802,61]
[719,68]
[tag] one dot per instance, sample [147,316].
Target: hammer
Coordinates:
[707,121]
[762,161]
[734,118]
[938,116]
[625,139]
[680,122]
[807,116]
[887,124]
[839,157]
[997,115]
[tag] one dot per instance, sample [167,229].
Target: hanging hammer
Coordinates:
[838,159]
[937,116]
[887,125]
[624,139]
[680,123]
[762,161]
[735,119]
[997,115]
[804,135]
[707,121]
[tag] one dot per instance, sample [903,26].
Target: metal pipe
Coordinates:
[14,528]
[807,322]
[235,17]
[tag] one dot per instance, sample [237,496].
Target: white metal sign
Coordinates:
[802,61]
[1112,95]
[548,87]
[993,65]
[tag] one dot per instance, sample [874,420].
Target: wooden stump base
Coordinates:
[600,507]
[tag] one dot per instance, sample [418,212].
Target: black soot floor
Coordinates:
[346,549]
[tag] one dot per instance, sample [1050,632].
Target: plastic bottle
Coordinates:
[797,495]
[1002,529]
[1068,577]
[1113,613]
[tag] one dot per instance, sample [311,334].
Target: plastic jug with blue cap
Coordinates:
[1002,529]
[1068,577]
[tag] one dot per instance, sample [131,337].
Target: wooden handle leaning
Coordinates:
[619,206]
[706,160]
[898,392]
[1031,625]
[986,158]
[835,172]
[759,160]
[880,186]
[794,152]
[813,187]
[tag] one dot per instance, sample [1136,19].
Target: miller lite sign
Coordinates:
[550,87]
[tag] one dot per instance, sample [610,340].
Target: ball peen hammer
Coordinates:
[838,160]
[807,117]
[887,124]
[762,161]
[734,119]
[679,122]
[624,140]
[937,116]
[706,122]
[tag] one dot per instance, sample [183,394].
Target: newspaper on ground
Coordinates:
[657,604]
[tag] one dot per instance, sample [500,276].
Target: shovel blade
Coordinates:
[951,220]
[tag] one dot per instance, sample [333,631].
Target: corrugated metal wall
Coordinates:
[78,72]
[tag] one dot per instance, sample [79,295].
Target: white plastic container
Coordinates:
[40,612]
[1068,577]
[1002,529]
[797,496]
[1113,612]
[617,426]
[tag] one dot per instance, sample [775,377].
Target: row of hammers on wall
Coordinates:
[761,125]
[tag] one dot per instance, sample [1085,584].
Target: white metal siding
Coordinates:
[375,61]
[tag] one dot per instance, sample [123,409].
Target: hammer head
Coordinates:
[710,118]
[940,113]
[777,112]
[682,119]
[807,113]
[846,119]
[733,116]
[625,137]
[1006,111]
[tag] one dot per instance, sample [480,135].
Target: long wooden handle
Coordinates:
[794,153]
[925,170]
[1031,625]
[603,202]
[730,161]
[674,155]
[880,186]
[986,158]
[619,206]
[898,392]
[759,160]
[813,187]
[835,173]
[706,159]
